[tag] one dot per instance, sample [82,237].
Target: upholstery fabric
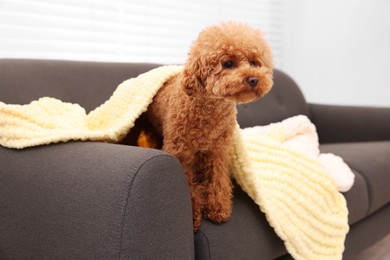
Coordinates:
[367,232]
[86,83]
[247,235]
[93,201]
[371,161]
[350,123]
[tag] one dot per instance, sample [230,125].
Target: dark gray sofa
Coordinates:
[88,200]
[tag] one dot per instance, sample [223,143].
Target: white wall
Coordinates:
[339,51]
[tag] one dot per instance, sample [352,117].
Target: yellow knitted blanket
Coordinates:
[299,199]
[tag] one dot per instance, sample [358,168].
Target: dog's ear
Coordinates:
[193,78]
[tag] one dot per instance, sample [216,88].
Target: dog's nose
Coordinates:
[252,81]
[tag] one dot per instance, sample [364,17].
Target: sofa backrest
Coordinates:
[86,83]
[284,100]
[91,83]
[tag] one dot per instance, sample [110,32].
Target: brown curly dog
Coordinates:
[195,111]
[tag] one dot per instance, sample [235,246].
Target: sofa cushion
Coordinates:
[248,229]
[371,165]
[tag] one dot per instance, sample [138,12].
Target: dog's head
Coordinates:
[230,61]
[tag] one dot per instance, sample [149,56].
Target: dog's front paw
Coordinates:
[197,220]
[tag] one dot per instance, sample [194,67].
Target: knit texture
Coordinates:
[299,199]
[49,120]
[299,134]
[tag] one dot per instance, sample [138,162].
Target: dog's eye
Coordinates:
[254,63]
[228,64]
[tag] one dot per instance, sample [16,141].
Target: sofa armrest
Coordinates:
[350,123]
[85,200]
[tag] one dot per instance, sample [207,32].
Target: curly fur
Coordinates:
[195,111]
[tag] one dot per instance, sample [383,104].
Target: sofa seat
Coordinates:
[370,163]
[247,235]
[249,228]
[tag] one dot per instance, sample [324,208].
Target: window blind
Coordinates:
[123,30]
